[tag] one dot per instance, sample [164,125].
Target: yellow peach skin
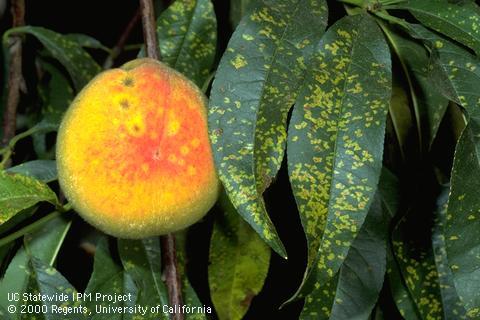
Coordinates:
[133,153]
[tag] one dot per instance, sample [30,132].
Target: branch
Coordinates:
[170,273]
[121,41]
[15,79]
[169,255]
[149,29]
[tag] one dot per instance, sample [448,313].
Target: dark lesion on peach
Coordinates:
[128,82]
[156,154]
[124,104]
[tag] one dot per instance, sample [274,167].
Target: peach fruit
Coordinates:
[133,153]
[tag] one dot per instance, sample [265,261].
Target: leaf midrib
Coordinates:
[337,136]
[262,94]
[184,36]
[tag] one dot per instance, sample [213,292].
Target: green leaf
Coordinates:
[417,266]
[4,314]
[17,219]
[141,259]
[423,263]
[459,21]
[403,300]
[191,299]
[353,292]
[44,279]
[187,32]
[86,41]
[77,61]
[463,220]
[43,170]
[108,278]
[43,245]
[18,192]
[458,74]
[429,105]
[238,9]
[335,145]
[45,242]
[239,262]
[256,83]
[453,69]
[389,189]
[401,116]
[452,306]
[56,95]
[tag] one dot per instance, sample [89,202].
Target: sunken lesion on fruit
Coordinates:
[157,154]
[124,104]
[135,125]
[128,81]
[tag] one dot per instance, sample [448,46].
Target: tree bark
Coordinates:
[15,79]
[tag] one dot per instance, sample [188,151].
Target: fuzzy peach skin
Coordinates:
[133,153]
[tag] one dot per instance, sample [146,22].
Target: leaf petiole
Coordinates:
[7,151]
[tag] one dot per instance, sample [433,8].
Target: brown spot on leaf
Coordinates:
[218,132]
[248,298]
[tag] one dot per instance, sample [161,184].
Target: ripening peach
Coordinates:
[133,153]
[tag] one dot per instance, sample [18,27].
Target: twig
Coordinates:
[121,41]
[170,273]
[169,255]
[15,79]
[149,29]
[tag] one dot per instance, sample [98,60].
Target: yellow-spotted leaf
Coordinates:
[417,265]
[141,260]
[459,20]
[239,262]
[452,306]
[453,69]
[457,74]
[40,247]
[423,265]
[354,291]
[463,220]
[336,138]
[18,192]
[108,278]
[187,33]
[256,83]
[402,298]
